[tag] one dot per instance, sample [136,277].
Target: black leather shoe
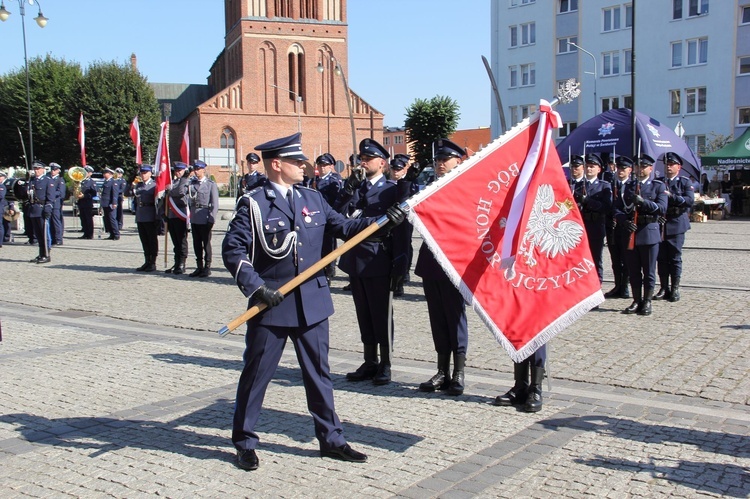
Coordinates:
[247,459]
[44,259]
[363,372]
[383,376]
[35,260]
[344,453]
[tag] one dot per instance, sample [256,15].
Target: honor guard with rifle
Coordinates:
[42,196]
[86,194]
[203,195]
[122,186]
[253,178]
[146,218]
[681,196]
[642,203]
[445,305]
[595,202]
[178,216]
[617,243]
[276,233]
[329,185]
[375,267]
[399,168]
[110,193]
[57,226]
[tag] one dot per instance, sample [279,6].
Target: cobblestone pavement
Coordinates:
[115,384]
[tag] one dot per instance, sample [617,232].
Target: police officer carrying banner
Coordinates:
[445,305]
[681,194]
[42,195]
[375,267]
[85,203]
[146,218]
[618,234]
[110,192]
[276,233]
[642,203]
[203,195]
[57,226]
[177,220]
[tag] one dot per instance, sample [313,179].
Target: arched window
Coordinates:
[296,62]
[227,139]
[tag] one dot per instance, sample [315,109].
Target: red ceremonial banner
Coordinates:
[82,139]
[506,230]
[162,172]
[135,136]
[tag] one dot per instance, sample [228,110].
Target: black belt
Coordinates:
[202,205]
[591,216]
[674,212]
[146,204]
[646,219]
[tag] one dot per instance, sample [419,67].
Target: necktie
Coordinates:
[290,199]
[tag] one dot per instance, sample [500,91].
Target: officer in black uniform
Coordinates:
[110,192]
[681,194]
[86,204]
[329,184]
[400,167]
[177,218]
[3,206]
[146,218]
[276,233]
[376,266]
[57,226]
[618,234]
[42,196]
[122,186]
[253,178]
[203,195]
[642,203]
[445,305]
[595,202]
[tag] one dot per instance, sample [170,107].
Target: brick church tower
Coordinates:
[283,68]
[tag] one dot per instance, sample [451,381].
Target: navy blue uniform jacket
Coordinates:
[246,259]
[654,205]
[678,205]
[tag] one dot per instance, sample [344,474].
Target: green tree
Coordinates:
[110,95]
[715,142]
[51,85]
[427,121]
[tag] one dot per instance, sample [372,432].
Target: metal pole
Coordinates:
[632,84]
[593,58]
[349,103]
[22,10]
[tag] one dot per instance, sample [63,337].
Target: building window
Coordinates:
[696,143]
[568,6]
[528,34]
[308,9]
[296,63]
[628,61]
[628,16]
[628,102]
[611,19]
[676,54]
[257,8]
[611,63]
[386,141]
[398,139]
[528,75]
[564,48]
[514,36]
[675,97]
[283,8]
[332,10]
[744,65]
[697,51]
[514,114]
[697,7]
[227,139]
[610,103]
[513,77]
[695,100]
[744,116]
[745,15]
[527,111]
[514,3]
[566,128]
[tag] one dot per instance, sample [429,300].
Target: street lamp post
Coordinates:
[297,104]
[42,22]
[593,58]
[340,72]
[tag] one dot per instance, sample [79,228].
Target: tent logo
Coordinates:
[747,144]
[606,129]
[654,131]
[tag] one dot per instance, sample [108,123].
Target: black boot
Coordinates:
[675,290]
[198,268]
[457,380]
[517,394]
[663,293]
[645,309]
[615,292]
[534,399]
[172,268]
[146,263]
[368,369]
[206,272]
[151,264]
[383,375]
[440,380]
[179,268]
[637,301]
[625,287]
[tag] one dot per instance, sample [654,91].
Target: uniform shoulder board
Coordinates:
[303,187]
[392,182]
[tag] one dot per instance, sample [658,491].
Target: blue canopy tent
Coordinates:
[611,133]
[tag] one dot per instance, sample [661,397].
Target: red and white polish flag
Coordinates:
[135,136]
[185,146]
[162,172]
[504,227]
[82,139]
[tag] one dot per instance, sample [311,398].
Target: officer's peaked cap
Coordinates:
[199,164]
[370,147]
[146,168]
[285,148]
[325,159]
[109,170]
[576,160]
[398,164]
[89,169]
[38,164]
[647,160]
[593,158]
[252,158]
[179,165]
[54,166]
[624,162]
[444,148]
[672,157]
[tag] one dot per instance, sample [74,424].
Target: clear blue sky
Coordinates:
[399,50]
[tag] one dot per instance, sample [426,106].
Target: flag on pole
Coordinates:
[82,139]
[185,147]
[162,171]
[506,230]
[135,135]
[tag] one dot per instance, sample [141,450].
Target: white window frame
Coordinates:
[572,6]
[528,34]
[696,100]
[746,65]
[513,114]
[513,36]
[700,7]
[513,76]
[611,63]
[675,102]
[697,53]
[386,141]
[743,116]
[612,103]
[528,75]
[627,61]
[745,18]
[611,16]
[677,9]
[676,58]
[566,129]
[696,143]
[398,139]
[564,48]
[628,23]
